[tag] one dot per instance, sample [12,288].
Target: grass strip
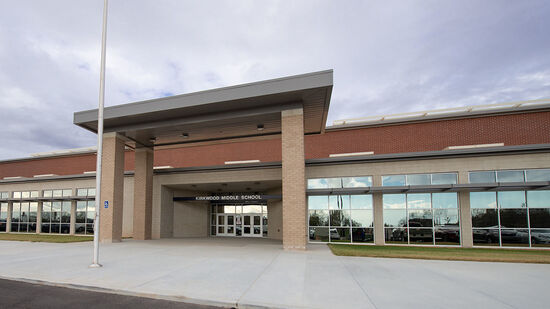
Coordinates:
[439,253]
[44,238]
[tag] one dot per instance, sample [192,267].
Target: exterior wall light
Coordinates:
[185,135]
[260,127]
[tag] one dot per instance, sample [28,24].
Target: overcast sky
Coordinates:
[387,56]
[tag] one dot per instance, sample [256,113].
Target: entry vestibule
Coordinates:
[239,220]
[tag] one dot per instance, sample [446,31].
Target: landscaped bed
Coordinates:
[44,237]
[456,254]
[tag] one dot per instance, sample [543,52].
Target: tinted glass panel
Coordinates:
[484,218]
[339,218]
[418,179]
[318,217]
[540,237]
[340,235]
[513,218]
[356,182]
[446,217]
[393,180]
[338,202]
[538,199]
[91,192]
[318,234]
[421,236]
[483,200]
[396,235]
[447,236]
[445,200]
[538,175]
[362,235]
[482,177]
[511,199]
[486,237]
[419,201]
[395,217]
[510,176]
[362,201]
[361,218]
[420,218]
[318,202]
[442,179]
[81,192]
[539,218]
[394,201]
[515,237]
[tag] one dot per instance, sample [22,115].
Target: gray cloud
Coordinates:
[388,56]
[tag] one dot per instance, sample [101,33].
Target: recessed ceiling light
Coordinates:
[260,127]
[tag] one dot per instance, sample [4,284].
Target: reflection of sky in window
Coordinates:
[483,200]
[538,199]
[394,200]
[318,202]
[510,176]
[317,183]
[482,177]
[362,201]
[357,182]
[445,200]
[418,179]
[443,178]
[419,200]
[393,180]
[538,175]
[511,199]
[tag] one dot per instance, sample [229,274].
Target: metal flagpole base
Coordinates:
[95,266]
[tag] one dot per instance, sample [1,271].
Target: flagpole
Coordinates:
[95,262]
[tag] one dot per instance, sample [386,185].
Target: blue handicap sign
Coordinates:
[106,204]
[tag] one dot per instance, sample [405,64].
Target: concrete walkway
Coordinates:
[257,272]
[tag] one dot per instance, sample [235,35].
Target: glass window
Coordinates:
[418,179]
[81,192]
[357,182]
[486,237]
[318,218]
[538,175]
[395,217]
[420,218]
[16,194]
[67,192]
[484,218]
[34,193]
[421,236]
[513,218]
[540,237]
[443,178]
[362,235]
[419,201]
[539,218]
[25,194]
[47,193]
[57,193]
[324,183]
[482,177]
[445,200]
[394,201]
[318,234]
[339,218]
[318,202]
[511,199]
[393,180]
[91,192]
[445,217]
[341,235]
[396,235]
[362,201]
[362,218]
[338,202]
[483,200]
[510,176]
[514,237]
[538,199]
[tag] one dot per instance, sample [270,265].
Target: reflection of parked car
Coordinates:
[399,235]
[514,236]
[486,236]
[540,237]
[420,235]
[334,234]
[447,235]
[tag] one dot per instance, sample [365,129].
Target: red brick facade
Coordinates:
[514,129]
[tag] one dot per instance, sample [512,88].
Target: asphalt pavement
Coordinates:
[17,294]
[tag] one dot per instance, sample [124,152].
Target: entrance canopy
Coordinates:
[239,111]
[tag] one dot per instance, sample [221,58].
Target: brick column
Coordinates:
[143,193]
[8,219]
[112,188]
[294,183]
[465,213]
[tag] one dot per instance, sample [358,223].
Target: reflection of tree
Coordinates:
[484,217]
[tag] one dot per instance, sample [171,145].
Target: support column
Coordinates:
[378,213]
[39,218]
[294,182]
[8,219]
[112,188]
[143,193]
[73,217]
[465,213]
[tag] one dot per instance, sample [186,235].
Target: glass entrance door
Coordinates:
[226,224]
[252,225]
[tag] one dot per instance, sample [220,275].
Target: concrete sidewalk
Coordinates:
[258,273]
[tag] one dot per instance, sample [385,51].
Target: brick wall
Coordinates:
[514,129]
